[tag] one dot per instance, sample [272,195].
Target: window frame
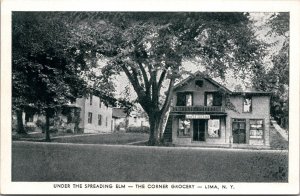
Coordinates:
[91,99]
[189,132]
[99,120]
[262,128]
[214,94]
[185,93]
[199,83]
[90,117]
[29,117]
[219,131]
[251,104]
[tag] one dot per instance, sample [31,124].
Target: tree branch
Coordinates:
[134,81]
[169,97]
[144,100]
[161,79]
[146,80]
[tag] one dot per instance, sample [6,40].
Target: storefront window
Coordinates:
[184,127]
[213,128]
[256,129]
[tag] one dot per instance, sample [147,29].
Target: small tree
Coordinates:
[46,66]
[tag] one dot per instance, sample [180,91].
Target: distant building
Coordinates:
[94,117]
[119,119]
[122,121]
[137,119]
[205,113]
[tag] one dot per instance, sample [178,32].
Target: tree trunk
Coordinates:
[20,128]
[154,138]
[163,121]
[47,131]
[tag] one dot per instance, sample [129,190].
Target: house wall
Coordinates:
[260,110]
[137,122]
[187,140]
[119,124]
[96,110]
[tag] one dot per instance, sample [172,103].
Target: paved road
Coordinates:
[115,163]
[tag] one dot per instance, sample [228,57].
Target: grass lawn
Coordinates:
[37,161]
[38,135]
[111,138]
[114,138]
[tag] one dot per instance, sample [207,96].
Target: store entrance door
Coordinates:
[239,131]
[199,130]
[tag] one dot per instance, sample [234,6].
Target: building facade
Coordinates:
[123,122]
[119,119]
[95,116]
[137,119]
[205,113]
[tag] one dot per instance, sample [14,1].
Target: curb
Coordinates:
[157,147]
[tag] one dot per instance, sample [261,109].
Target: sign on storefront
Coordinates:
[197,116]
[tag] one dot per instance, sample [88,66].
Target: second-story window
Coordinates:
[106,121]
[213,99]
[184,99]
[209,99]
[100,104]
[91,99]
[247,104]
[90,117]
[189,99]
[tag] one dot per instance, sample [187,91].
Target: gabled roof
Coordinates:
[118,113]
[204,76]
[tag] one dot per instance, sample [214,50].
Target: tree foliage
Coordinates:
[276,79]
[46,66]
[150,47]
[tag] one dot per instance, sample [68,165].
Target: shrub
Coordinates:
[53,130]
[69,131]
[142,129]
[39,123]
[29,128]
[80,130]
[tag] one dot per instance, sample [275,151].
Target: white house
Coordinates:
[95,116]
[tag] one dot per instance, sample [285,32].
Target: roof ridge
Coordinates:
[205,76]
